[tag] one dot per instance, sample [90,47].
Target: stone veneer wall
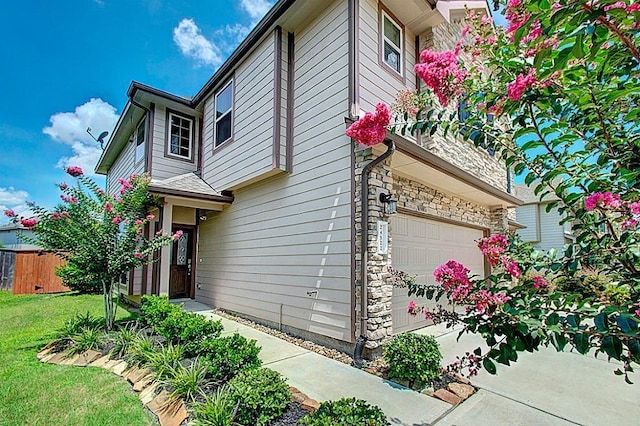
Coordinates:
[463,154]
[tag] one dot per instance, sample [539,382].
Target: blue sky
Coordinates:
[68,64]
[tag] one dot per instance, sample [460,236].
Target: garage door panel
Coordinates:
[419,247]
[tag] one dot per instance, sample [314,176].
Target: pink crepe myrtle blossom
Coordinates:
[511,267]
[605,200]
[539,283]
[65,214]
[138,222]
[108,207]
[412,309]
[158,233]
[637,311]
[63,186]
[635,7]
[442,73]
[117,219]
[139,231]
[616,5]
[493,247]
[635,206]
[29,223]
[9,213]
[372,128]
[454,278]
[55,216]
[150,217]
[465,30]
[177,235]
[74,171]
[137,255]
[485,301]
[516,88]
[631,223]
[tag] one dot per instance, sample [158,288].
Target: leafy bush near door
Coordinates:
[228,356]
[262,396]
[413,358]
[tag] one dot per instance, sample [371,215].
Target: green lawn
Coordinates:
[34,393]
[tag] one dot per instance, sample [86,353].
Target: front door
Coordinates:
[181,263]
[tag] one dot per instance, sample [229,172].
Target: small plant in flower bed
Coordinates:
[413,358]
[123,340]
[346,412]
[186,382]
[227,356]
[217,409]
[142,350]
[178,326]
[78,322]
[261,394]
[165,359]
[87,339]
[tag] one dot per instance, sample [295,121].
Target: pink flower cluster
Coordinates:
[616,5]
[493,247]
[177,235]
[607,200]
[516,88]
[515,17]
[125,185]
[637,312]
[413,309]
[9,213]
[74,171]
[69,199]
[29,223]
[442,73]
[511,267]
[372,128]
[539,283]
[454,277]
[486,301]
[108,207]
[635,7]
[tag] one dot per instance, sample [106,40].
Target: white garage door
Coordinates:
[419,247]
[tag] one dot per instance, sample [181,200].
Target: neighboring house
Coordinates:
[542,228]
[10,237]
[257,172]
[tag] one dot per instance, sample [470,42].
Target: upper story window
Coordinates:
[224,115]
[140,140]
[392,42]
[180,143]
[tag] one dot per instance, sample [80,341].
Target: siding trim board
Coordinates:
[401,78]
[150,124]
[277,96]
[354,100]
[167,136]
[290,101]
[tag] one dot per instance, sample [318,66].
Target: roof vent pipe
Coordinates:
[364,220]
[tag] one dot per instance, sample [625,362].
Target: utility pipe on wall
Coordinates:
[364,245]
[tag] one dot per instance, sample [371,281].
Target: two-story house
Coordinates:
[258,173]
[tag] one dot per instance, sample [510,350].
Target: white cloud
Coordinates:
[189,39]
[14,199]
[193,44]
[256,8]
[70,128]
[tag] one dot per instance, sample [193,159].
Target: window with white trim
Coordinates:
[224,115]
[392,43]
[140,140]
[180,136]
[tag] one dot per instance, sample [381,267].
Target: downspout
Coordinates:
[364,219]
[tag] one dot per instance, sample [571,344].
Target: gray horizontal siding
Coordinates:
[164,167]
[123,167]
[250,153]
[290,234]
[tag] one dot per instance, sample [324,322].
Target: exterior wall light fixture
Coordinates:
[390,204]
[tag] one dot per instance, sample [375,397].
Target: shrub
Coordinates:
[228,356]
[86,339]
[216,410]
[165,359]
[346,412]
[413,358]
[178,326]
[78,279]
[186,382]
[79,322]
[156,309]
[261,394]
[123,340]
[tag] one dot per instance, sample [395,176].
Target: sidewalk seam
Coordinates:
[287,358]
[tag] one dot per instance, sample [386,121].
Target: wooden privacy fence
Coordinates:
[30,272]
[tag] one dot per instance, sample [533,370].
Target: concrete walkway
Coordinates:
[546,388]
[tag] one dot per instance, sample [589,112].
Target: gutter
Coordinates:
[364,240]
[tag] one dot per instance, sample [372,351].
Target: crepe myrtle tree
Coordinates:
[96,233]
[556,94]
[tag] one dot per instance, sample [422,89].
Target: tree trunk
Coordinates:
[109,315]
